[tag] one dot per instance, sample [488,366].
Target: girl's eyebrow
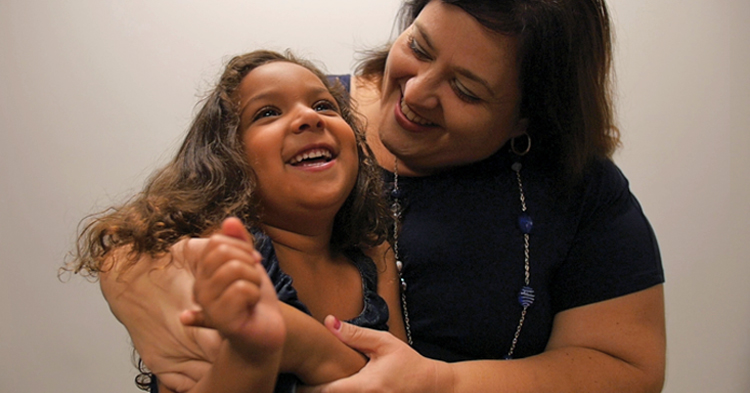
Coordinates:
[460,70]
[257,97]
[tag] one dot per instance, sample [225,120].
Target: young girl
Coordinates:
[279,148]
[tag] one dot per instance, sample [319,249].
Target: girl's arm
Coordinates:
[238,299]
[229,281]
[617,345]
[314,354]
[232,372]
[389,287]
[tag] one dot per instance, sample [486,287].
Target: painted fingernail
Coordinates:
[336,323]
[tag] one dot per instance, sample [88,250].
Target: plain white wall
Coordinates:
[95,94]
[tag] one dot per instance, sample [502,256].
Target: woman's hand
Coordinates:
[147,298]
[393,365]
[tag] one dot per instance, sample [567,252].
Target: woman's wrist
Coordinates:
[445,379]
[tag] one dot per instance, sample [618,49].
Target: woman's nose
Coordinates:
[307,119]
[420,92]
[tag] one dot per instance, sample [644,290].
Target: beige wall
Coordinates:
[93,95]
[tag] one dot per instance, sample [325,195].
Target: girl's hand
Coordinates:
[235,294]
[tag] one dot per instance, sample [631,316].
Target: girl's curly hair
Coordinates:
[209,180]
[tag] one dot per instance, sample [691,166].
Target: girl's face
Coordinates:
[302,151]
[450,93]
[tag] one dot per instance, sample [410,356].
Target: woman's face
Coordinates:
[450,93]
[303,152]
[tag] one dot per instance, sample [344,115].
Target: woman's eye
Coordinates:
[266,112]
[325,105]
[465,94]
[419,53]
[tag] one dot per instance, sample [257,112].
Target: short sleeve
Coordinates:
[614,251]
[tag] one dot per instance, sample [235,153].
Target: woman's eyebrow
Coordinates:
[476,78]
[458,69]
[423,33]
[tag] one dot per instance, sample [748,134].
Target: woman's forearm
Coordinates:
[617,345]
[578,370]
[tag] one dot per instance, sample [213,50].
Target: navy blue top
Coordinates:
[463,253]
[374,313]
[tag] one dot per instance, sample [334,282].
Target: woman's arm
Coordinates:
[617,345]
[149,297]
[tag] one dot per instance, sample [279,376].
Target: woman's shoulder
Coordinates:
[365,95]
[604,180]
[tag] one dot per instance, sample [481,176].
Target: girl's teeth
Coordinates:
[318,153]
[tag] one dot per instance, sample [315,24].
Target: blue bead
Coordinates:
[516,166]
[525,223]
[526,297]
[396,193]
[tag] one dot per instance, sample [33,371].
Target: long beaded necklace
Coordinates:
[396,209]
[525,224]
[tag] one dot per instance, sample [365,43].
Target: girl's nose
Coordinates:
[307,119]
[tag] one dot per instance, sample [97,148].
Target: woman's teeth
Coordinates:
[315,154]
[413,116]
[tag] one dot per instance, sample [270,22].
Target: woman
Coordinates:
[519,238]
[460,97]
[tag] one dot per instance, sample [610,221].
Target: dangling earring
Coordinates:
[515,149]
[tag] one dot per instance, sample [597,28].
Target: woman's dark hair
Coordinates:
[209,180]
[565,59]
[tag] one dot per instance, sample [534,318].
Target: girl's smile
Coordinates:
[303,153]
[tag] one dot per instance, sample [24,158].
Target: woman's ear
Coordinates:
[520,128]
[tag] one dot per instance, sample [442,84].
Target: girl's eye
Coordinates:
[266,112]
[419,53]
[325,105]
[465,94]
